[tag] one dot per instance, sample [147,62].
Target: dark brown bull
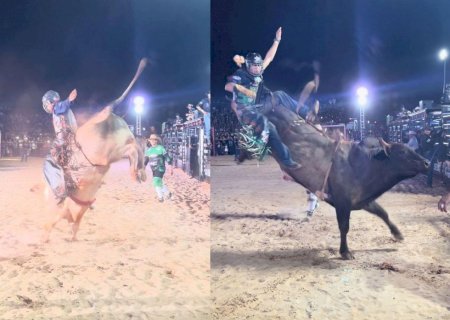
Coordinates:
[349,176]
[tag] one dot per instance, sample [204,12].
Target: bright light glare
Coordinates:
[138,108]
[362,100]
[443,54]
[362,92]
[138,104]
[139,101]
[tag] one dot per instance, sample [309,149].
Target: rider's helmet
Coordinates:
[254,58]
[48,99]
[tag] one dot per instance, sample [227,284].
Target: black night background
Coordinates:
[390,46]
[95,47]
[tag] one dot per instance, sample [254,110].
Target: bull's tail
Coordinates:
[141,68]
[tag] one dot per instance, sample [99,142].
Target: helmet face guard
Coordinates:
[254,59]
[49,98]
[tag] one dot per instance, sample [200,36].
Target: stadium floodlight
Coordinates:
[362,97]
[139,109]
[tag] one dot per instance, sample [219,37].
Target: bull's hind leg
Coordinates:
[343,217]
[374,208]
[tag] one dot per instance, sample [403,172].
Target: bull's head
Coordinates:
[404,160]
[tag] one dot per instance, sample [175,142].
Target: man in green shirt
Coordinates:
[157,156]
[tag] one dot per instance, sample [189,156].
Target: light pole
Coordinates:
[362,94]
[443,55]
[138,108]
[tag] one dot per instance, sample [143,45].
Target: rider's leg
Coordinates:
[279,149]
[282,98]
[54,175]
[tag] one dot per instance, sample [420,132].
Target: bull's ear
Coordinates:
[386,146]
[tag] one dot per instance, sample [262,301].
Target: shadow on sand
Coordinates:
[256,216]
[327,258]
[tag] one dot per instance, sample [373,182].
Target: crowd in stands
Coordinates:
[225,129]
[24,133]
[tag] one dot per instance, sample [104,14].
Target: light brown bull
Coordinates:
[102,140]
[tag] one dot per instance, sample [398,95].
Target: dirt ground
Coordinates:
[135,258]
[267,262]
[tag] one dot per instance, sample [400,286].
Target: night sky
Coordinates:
[392,46]
[95,46]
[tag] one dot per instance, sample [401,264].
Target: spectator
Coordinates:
[157,156]
[426,143]
[413,144]
[438,153]
[205,108]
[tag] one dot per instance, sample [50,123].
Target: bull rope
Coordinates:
[82,203]
[296,122]
[78,145]
[68,168]
[321,194]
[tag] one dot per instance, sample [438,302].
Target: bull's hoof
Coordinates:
[398,236]
[396,233]
[347,255]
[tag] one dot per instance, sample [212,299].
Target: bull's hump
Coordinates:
[111,125]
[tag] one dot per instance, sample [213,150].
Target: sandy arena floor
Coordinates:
[268,263]
[135,258]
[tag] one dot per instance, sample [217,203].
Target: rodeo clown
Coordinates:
[65,126]
[249,92]
[157,156]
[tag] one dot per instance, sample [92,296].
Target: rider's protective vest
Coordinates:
[64,122]
[253,83]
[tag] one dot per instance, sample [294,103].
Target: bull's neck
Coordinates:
[374,184]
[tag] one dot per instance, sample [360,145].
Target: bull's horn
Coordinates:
[383,143]
[386,146]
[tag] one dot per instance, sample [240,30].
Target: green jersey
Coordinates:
[158,157]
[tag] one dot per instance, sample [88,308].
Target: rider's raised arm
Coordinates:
[273,49]
[62,106]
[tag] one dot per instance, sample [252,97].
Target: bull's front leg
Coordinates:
[374,208]
[77,221]
[136,158]
[58,213]
[343,217]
